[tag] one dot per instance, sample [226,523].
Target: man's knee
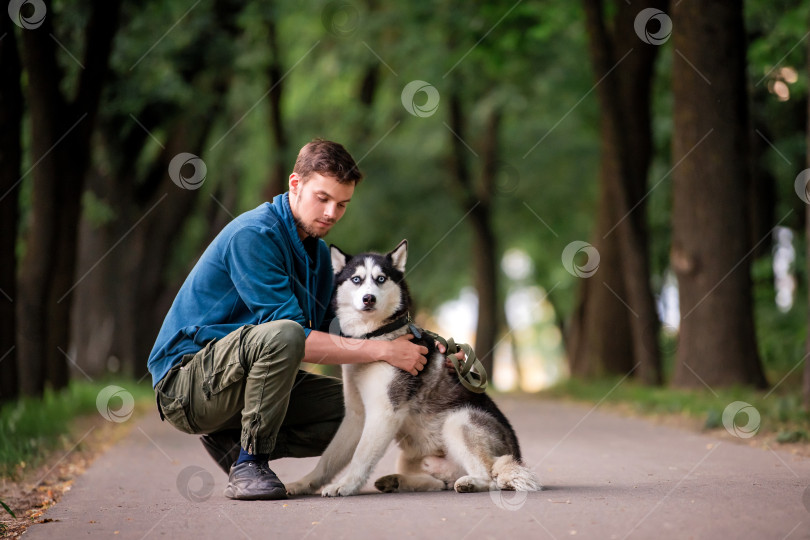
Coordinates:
[285,335]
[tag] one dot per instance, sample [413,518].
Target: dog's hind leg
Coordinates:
[478,450]
[466,445]
[412,476]
[511,475]
[339,452]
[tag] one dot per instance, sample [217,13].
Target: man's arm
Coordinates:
[402,353]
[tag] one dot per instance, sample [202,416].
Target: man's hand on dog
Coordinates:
[405,354]
[447,362]
[409,356]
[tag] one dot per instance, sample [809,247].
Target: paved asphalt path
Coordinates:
[605,477]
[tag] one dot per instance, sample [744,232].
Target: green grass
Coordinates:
[781,412]
[30,428]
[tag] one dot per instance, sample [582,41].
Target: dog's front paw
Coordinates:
[388,484]
[300,487]
[338,490]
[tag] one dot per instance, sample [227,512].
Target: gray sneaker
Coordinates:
[254,481]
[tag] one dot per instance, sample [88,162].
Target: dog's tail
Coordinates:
[510,474]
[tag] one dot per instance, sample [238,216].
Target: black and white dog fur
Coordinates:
[450,437]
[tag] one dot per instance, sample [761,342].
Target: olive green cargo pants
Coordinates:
[251,379]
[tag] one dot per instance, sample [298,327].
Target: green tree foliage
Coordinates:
[177,67]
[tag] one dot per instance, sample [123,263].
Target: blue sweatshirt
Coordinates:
[256,270]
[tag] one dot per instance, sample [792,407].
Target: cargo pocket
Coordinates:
[175,409]
[218,381]
[222,367]
[218,391]
[173,396]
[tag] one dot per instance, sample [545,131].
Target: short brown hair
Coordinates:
[329,159]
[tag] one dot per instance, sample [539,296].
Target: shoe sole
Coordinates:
[274,495]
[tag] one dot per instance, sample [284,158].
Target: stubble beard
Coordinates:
[309,231]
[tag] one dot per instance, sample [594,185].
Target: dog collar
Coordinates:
[390,327]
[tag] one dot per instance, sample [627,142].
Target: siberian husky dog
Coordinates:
[450,437]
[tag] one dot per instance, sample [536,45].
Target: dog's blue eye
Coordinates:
[356,280]
[380,279]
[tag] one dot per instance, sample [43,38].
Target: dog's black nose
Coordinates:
[369,300]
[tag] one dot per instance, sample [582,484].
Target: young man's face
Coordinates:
[318,203]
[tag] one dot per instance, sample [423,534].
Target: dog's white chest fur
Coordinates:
[369,384]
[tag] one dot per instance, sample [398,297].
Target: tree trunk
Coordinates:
[598,337]
[477,202]
[366,94]
[486,250]
[709,230]
[11,120]
[60,133]
[47,110]
[93,331]
[762,196]
[486,278]
[623,65]
[280,167]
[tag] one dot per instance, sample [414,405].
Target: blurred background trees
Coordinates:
[665,142]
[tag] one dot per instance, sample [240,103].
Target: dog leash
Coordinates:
[474,381]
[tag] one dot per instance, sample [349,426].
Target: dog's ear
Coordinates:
[399,256]
[338,258]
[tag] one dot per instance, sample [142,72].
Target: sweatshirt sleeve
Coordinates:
[258,268]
